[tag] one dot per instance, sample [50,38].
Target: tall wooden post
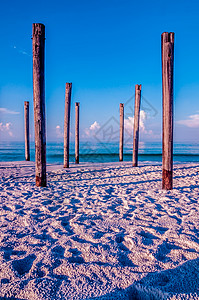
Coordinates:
[38,38]
[136,124]
[167,96]
[121,131]
[27,134]
[67,124]
[77,132]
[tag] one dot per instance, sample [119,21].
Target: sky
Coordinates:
[104,48]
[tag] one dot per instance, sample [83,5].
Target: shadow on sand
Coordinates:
[181,283]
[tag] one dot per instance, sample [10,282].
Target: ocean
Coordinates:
[100,152]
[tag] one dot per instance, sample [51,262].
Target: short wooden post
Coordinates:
[67,124]
[27,134]
[136,124]
[77,132]
[39,103]
[121,131]
[167,40]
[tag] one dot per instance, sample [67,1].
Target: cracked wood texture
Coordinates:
[27,131]
[136,124]
[167,40]
[67,123]
[121,146]
[77,132]
[38,43]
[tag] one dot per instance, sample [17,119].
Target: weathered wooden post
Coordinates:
[67,124]
[38,39]
[27,134]
[136,124]
[76,132]
[167,96]
[121,131]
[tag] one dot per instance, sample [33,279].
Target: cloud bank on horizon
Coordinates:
[5,110]
[111,129]
[192,121]
[6,129]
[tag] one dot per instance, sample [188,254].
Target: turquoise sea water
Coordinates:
[101,152]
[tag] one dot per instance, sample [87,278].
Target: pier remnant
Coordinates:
[77,132]
[121,132]
[67,123]
[136,124]
[27,131]
[167,41]
[38,43]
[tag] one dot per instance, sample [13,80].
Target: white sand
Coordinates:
[106,231]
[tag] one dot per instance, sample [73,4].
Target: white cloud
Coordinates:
[6,128]
[192,121]
[142,121]
[95,126]
[4,110]
[87,132]
[128,123]
[92,129]
[59,132]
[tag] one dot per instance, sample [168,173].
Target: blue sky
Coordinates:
[104,48]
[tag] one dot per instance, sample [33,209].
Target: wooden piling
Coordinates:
[77,132]
[38,39]
[67,123]
[167,40]
[27,134]
[136,124]
[121,132]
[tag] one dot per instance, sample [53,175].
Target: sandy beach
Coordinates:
[99,231]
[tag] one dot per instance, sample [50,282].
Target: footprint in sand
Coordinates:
[8,252]
[5,280]
[160,229]
[76,256]
[23,265]
[66,224]
[163,250]
[147,238]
